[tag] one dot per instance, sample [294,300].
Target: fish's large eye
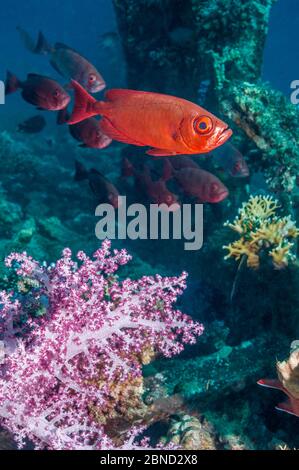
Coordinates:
[92,78]
[203,125]
[56,93]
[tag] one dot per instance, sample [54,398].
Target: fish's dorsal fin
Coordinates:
[119,93]
[38,75]
[94,171]
[32,75]
[80,171]
[61,45]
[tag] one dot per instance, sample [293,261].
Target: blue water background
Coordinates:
[80,23]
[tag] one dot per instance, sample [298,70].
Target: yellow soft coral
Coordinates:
[261,229]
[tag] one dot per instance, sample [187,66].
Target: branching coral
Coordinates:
[260,229]
[94,332]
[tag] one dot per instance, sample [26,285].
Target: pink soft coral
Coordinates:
[94,325]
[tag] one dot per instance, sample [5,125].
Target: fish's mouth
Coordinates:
[241,174]
[96,87]
[221,196]
[224,136]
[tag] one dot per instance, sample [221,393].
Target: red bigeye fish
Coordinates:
[156,191]
[199,183]
[231,160]
[88,132]
[102,188]
[39,91]
[170,125]
[67,62]
[178,162]
[32,125]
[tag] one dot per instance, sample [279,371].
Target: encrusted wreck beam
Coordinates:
[174,45]
[271,122]
[226,371]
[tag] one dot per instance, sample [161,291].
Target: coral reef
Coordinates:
[93,332]
[260,229]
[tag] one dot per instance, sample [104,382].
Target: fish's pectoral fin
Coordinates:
[108,129]
[286,407]
[161,153]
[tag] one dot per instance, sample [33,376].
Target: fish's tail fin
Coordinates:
[12,83]
[41,46]
[84,106]
[62,117]
[127,168]
[80,171]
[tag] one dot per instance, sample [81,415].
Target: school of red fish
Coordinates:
[171,127]
[167,126]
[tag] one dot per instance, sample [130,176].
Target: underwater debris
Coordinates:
[288,382]
[209,378]
[95,324]
[261,230]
